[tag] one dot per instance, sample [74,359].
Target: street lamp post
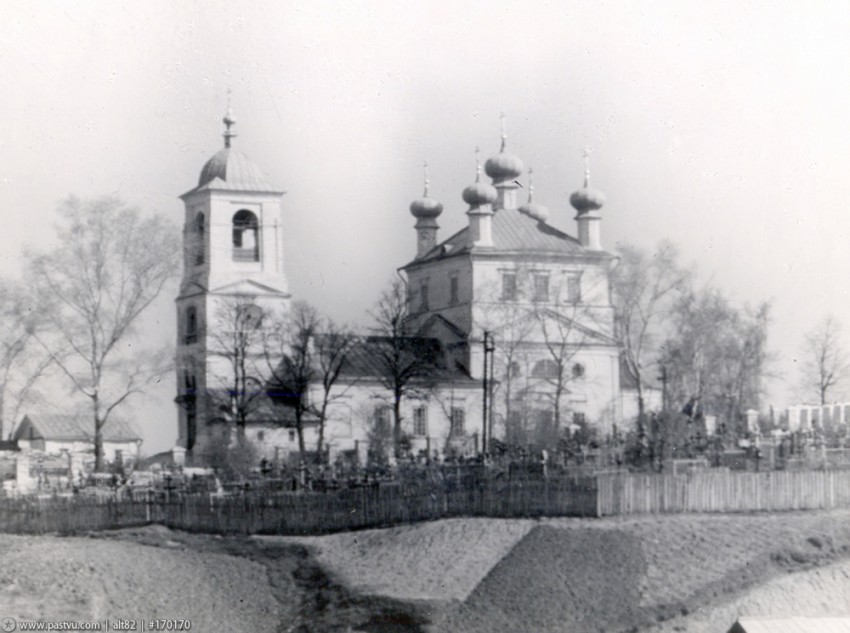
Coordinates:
[486,413]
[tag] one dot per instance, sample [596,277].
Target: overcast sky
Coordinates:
[723,126]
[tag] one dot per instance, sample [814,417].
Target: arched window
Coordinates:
[246,243]
[200,243]
[578,370]
[191,332]
[546,368]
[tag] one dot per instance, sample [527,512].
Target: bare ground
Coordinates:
[655,573]
[557,574]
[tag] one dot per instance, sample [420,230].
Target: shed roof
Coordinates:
[792,625]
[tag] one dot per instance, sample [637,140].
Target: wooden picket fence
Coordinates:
[395,503]
[303,512]
[723,491]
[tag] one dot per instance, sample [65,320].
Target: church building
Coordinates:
[536,300]
[520,312]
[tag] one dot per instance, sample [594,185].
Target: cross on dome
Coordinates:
[228,121]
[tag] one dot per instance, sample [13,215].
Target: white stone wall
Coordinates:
[438,275]
[651,402]
[351,417]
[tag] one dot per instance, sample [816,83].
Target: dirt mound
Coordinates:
[558,580]
[691,564]
[823,591]
[79,579]
[441,560]
[310,600]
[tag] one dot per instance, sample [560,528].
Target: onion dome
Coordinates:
[426,207]
[479,193]
[504,165]
[587,199]
[530,208]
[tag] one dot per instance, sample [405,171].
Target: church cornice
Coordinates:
[214,188]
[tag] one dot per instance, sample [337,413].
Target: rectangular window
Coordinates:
[574,289]
[420,421]
[453,290]
[541,287]
[383,417]
[508,286]
[423,296]
[578,418]
[458,421]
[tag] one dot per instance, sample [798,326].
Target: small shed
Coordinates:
[792,625]
[54,433]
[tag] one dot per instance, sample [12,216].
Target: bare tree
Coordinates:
[109,266]
[717,355]
[644,288]
[406,363]
[567,325]
[333,349]
[22,361]
[826,365]
[563,339]
[304,351]
[236,383]
[291,363]
[511,323]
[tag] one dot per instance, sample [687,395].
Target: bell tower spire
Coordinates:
[229,121]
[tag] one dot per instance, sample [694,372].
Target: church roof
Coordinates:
[72,428]
[231,170]
[363,361]
[513,232]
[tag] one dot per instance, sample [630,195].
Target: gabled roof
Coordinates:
[513,232]
[248,287]
[594,335]
[66,427]
[438,321]
[792,625]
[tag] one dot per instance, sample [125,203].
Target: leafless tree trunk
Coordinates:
[333,348]
[109,266]
[643,288]
[236,335]
[405,363]
[292,364]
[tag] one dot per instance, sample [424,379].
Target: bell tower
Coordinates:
[232,251]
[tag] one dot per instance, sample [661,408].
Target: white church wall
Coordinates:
[438,275]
